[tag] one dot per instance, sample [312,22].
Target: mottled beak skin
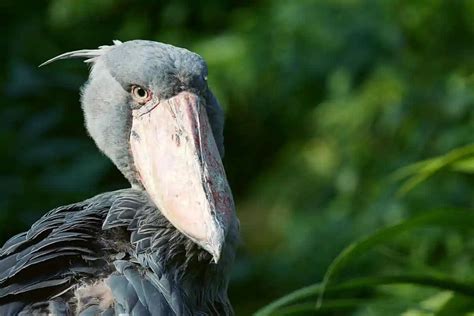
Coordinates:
[179,165]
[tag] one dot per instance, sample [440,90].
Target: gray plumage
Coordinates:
[116,252]
[104,97]
[119,237]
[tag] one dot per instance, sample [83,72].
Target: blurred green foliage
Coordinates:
[325,101]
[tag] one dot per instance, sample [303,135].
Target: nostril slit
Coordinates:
[135,135]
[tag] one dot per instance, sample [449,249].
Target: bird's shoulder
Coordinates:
[115,247]
[65,245]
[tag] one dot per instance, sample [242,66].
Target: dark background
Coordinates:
[325,100]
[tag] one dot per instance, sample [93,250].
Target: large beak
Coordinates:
[176,156]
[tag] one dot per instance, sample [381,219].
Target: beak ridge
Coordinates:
[179,165]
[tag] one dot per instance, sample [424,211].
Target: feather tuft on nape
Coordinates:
[89,54]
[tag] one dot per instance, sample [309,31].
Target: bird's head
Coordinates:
[148,107]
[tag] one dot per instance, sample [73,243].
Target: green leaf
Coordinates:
[331,306]
[457,305]
[458,159]
[291,297]
[466,165]
[351,287]
[442,218]
[442,282]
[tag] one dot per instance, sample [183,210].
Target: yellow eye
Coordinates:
[141,95]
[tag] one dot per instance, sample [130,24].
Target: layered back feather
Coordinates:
[114,253]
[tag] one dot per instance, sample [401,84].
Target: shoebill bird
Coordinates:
[165,245]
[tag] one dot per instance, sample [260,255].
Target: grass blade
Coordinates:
[283,304]
[442,218]
[418,172]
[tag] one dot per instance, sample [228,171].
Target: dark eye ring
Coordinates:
[139,94]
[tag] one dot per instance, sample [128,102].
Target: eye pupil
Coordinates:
[140,95]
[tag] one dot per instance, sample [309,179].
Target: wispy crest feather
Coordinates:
[89,54]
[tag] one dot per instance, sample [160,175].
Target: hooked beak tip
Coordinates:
[214,247]
[214,244]
[216,255]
